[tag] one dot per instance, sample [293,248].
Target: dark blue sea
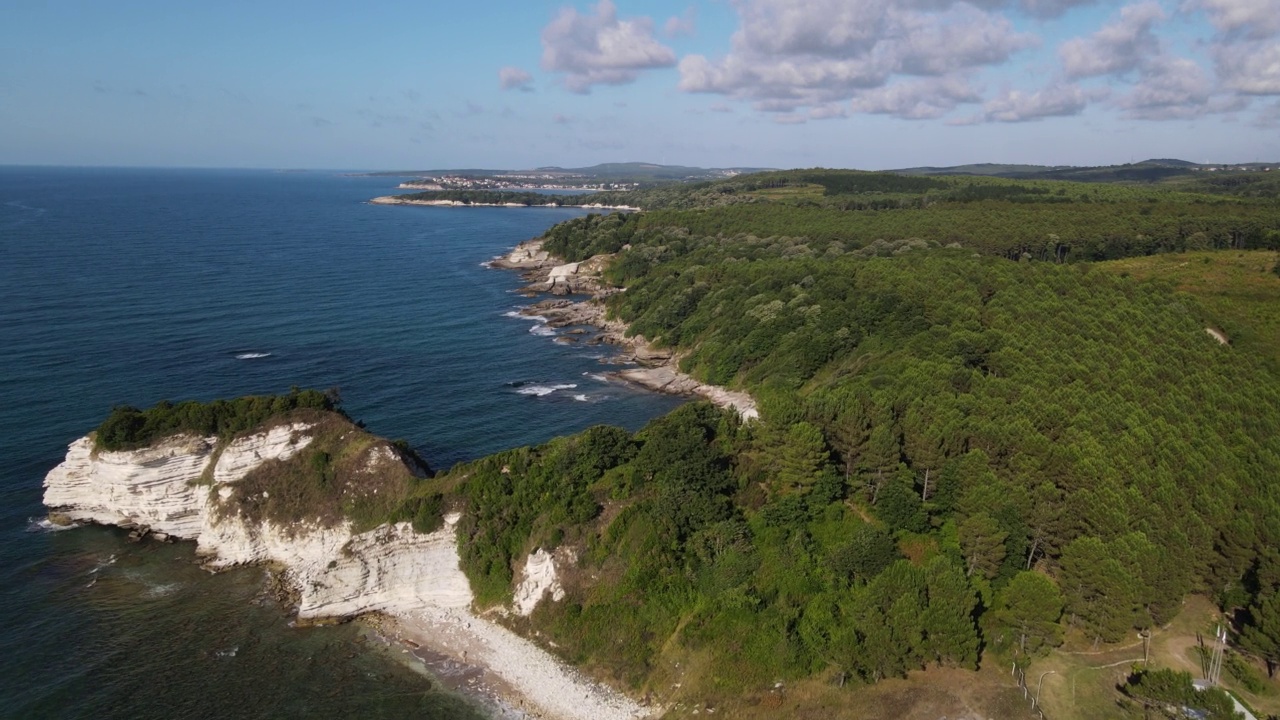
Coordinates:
[123,286]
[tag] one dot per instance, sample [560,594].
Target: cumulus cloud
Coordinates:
[1169,89]
[600,49]
[513,78]
[1056,100]
[1118,48]
[792,54]
[922,99]
[1252,19]
[1251,68]
[1046,9]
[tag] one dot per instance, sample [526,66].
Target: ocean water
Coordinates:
[132,286]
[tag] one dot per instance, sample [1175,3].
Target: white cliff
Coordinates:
[176,486]
[155,486]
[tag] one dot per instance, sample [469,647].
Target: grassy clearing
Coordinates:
[343,474]
[1081,683]
[790,193]
[1238,290]
[936,693]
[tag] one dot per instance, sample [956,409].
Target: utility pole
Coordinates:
[1215,662]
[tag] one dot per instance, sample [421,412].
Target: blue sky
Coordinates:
[781,83]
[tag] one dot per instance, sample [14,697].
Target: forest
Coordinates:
[975,440]
[980,436]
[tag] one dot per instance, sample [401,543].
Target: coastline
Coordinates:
[657,368]
[401,200]
[509,675]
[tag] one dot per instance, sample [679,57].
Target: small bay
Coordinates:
[130,286]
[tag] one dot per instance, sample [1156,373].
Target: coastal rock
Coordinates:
[244,454]
[538,579]
[158,490]
[525,256]
[156,487]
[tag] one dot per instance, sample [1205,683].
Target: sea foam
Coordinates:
[543,390]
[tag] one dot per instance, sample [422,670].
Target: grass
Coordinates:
[790,193]
[332,480]
[1237,289]
[934,693]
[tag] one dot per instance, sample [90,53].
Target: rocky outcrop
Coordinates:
[156,487]
[176,487]
[538,580]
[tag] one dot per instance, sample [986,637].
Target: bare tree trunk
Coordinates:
[879,483]
[1035,545]
[924,492]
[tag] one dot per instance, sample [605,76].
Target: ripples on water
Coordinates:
[132,286]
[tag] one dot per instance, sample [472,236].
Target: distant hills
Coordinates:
[1154,170]
[639,173]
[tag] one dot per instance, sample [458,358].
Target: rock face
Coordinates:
[155,486]
[174,487]
[538,580]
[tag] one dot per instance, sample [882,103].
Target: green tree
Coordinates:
[1099,593]
[982,541]
[950,636]
[1261,633]
[1026,613]
[900,507]
[803,457]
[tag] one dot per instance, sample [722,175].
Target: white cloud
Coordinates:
[1170,89]
[1056,100]
[1252,68]
[792,54]
[599,49]
[922,99]
[1046,9]
[1253,19]
[1117,48]
[513,78]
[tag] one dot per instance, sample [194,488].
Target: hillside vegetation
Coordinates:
[971,442]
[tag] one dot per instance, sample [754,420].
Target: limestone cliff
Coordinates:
[218,494]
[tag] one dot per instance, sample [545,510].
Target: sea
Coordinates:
[132,286]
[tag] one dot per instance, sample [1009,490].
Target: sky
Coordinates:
[871,84]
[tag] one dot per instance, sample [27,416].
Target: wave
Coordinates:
[103,565]
[252,355]
[542,330]
[543,390]
[598,377]
[582,397]
[43,525]
[522,316]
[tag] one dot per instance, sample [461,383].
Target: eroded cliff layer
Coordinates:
[292,493]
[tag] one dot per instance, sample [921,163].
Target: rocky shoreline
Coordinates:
[657,368]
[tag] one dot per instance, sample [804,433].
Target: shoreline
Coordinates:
[401,200]
[509,675]
[658,368]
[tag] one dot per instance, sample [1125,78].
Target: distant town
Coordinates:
[547,181]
